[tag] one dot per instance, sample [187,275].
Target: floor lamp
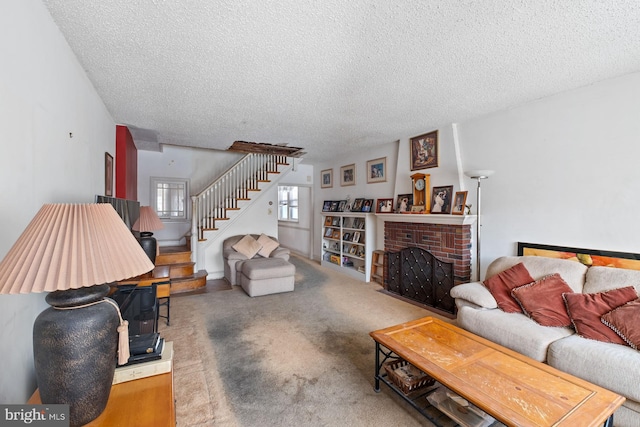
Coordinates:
[478,175]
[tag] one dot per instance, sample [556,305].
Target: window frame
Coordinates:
[186,216]
[289,207]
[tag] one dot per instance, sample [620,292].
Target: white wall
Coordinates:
[44,96]
[201,167]
[565,167]
[566,170]
[361,189]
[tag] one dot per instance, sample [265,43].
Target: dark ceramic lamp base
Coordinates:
[75,351]
[149,245]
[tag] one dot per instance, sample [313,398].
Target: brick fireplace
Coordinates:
[447,238]
[447,242]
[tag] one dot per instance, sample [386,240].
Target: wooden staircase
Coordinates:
[175,262]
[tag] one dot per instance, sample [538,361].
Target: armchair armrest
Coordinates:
[280,252]
[233,255]
[476,293]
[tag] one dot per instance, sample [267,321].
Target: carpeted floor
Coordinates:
[291,359]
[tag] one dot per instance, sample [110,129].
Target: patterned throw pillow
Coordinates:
[624,321]
[503,283]
[585,311]
[542,300]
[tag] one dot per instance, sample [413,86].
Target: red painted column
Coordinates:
[126,165]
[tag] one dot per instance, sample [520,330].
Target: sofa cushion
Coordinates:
[542,300]
[614,367]
[247,246]
[512,330]
[585,311]
[268,245]
[624,322]
[501,284]
[600,279]
[572,272]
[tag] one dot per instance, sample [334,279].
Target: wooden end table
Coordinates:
[514,389]
[145,402]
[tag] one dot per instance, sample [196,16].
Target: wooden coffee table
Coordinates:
[514,389]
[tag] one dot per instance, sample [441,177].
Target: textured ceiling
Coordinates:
[336,75]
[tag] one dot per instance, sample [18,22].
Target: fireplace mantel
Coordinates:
[429,218]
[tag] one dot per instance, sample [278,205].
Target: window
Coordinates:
[288,203]
[171,196]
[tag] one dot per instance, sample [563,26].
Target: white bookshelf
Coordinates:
[348,239]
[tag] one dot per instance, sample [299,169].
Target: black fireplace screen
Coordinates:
[416,274]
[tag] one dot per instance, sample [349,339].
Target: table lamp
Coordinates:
[146,223]
[73,252]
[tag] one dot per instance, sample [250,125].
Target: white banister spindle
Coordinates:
[225,191]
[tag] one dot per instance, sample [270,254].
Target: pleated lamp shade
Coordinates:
[147,221]
[69,246]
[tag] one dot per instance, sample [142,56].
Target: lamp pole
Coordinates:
[479,175]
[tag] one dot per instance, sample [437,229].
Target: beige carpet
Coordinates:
[301,358]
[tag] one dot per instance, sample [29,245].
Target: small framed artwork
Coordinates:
[441,198]
[348,175]
[377,170]
[357,205]
[341,205]
[327,221]
[417,208]
[334,206]
[328,232]
[326,207]
[346,236]
[356,237]
[424,151]
[366,206]
[326,178]
[384,206]
[352,249]
[335,234]
[404,203]
[459,202]
[108,174]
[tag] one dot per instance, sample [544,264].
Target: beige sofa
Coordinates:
[233,260]
[612,366]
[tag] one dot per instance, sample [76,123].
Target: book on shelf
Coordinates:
[136,371]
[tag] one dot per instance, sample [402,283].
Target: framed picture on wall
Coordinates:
[377,170]
[441,199]
[348,175]
[459,202]
[326,178]
[108,175]
[424,151]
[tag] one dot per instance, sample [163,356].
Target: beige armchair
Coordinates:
[233,260]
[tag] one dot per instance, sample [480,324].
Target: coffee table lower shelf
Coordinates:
[418,399]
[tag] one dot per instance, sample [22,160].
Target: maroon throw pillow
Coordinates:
[502,283]
[625,321]
[542,300]
[585,311]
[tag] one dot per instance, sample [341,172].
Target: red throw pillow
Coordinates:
[624,321]
[542,300]
[502,283]
[585,311]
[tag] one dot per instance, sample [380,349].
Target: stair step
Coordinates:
[173,254]
[185,284]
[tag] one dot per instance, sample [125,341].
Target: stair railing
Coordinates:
[235,184]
